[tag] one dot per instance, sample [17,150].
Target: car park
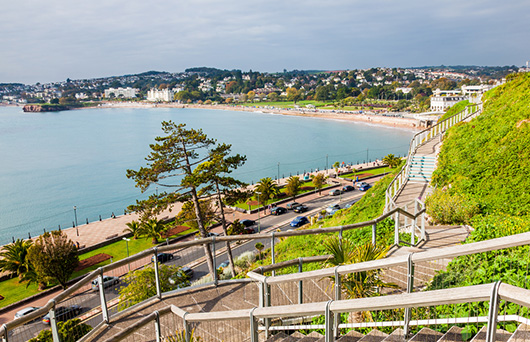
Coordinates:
[347,188]
[299,221]
[301,208]
[332,207]
[335,192]
[163,257]
[63,313]
[291,206]
[107,281]
[278,211]
[247,222]
[26,311]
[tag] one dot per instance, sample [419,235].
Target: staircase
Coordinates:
[454,334]
[421,168]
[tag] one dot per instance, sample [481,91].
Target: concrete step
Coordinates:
[351,336]
[277,337]
[522,334]
[374,336]
[294,337]
[426,335]
[502,335]
[397,335]
[312,337]
[454,334]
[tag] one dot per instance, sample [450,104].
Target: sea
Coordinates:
[53,161]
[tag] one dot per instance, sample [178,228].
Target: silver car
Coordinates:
[107,281]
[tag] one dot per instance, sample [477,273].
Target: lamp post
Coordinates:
[259,221]
[278,172]
[75,214]
[127,246]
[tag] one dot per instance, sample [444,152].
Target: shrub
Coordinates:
[447,208]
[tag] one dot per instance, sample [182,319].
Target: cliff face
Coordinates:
[43,108]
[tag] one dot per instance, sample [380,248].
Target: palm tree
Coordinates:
[153,229]
[13,258]
[360,284]
[259,246]
[267,189]
[134,228]
[318,181]
[293,186]
[391,160]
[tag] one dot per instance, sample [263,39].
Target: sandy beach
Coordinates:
[384,119]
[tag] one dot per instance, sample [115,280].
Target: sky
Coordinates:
[48,41]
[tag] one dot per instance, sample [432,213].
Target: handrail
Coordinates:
[419,139]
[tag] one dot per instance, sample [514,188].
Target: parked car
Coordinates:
[248,223]
[26,311]
[163,257]
[107,281]
[364,187]
[223,264]
[299,221]
[332,207]
[349,204]
[186,271]
[360,184]
[63,313]
[291,206]
[347,188]
[301,208]
[335,192]
[278,211]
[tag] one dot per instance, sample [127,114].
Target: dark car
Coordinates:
[347,188]
[335,192]
[63,313]
[278,211]
[301,208]
[293,205]
[163,257]
[248,223]
[299,221]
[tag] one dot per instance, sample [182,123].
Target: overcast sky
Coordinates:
[46,41]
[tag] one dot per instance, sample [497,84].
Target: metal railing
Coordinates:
[418,140]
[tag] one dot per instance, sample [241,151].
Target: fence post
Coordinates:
[102,298]
[300,283]
[273,259]
[187,330]
[396,229]
[410,286]
[157,275]
[423,236]
[158,331]
[413,226]
[53,323]
[338,295]
[374,232]
[340,234]
[329,322]
[267,303]
[253,327]
[491,333]
[215,277]
[406,217]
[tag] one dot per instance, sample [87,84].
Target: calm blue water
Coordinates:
[50,162]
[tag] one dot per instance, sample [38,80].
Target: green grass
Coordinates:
[13,291]
[378,171]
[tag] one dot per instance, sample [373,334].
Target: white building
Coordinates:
[442,103]
[127,93]
[163,95]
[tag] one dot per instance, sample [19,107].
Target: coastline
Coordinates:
[369,118]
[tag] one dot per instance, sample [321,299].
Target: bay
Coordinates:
[51,162]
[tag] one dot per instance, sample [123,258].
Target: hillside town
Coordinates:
[394,89]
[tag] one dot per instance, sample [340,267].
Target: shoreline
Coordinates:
[369,118]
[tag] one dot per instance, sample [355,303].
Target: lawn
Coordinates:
[372,172]
[13,291]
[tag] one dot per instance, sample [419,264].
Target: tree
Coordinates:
[69,331]
[187,215]
[251,95]
[318,181]
[391,160]
[292,188]
[259,246]
[215,174]
[55,256]
[267,189]
[152,229]
[141,283]
[237,228]
[175,155]
[359,284]
[336,166]
[134,228]
[13,258]
[293,94]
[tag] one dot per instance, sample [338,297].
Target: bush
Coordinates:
[447,208]
[69,331]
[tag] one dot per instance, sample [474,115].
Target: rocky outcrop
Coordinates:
[43,108]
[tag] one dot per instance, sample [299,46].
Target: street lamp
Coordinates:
[127,245]
[259,221]
[75,214]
